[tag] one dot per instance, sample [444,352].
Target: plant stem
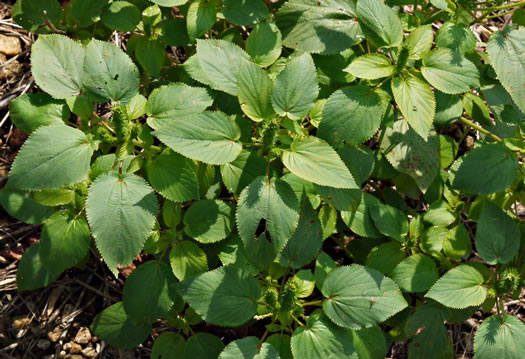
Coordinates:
[497,297]
[315,302]
[480,129]
[500,15]
[297,320]
[502,7]
[381,83]
[141,145]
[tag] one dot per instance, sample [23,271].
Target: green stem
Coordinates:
[141,145]
[315,302]
[500,15]
[480,129]
[381,83]
[502,7]
[434,17]
[296,320]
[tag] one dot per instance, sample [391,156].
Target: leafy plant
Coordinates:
[287,166]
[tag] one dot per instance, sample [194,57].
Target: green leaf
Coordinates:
[476,109]
[431,337]
[487,169]
[448,72]
[439,214]
[281,342]
[360,220]
[136,107]
[245,12]
[459,288]
[226,296]
[457,244]
[167,103]
[321,338]
[304,283]
[54,197]
[203,346]
[264,44]
[173,176]
[255,92]
[432,241]
[209,221]
[31,14]
[316,161]
[323,265]
[85,13]
[275,202]
[21,206]
[57,65]
[379,23]
[352,115]
[367,299]
[505,49]
[328,218]
[166,345]
[33,110]
[231,252]
[416,102]
[110,73]
[52,157]
[385,257]
[219,62]
[370,343]
[497,235]
[448,150]
[121,211]
[390,221]
[208,137]
[359,160]
[200,18]
[456,37]
[295,88]
[410,154]
[416,273]
[419,42]
[305,243]
[249,348]
[65,240]
[310,26]
[371,67]
[32,273]
[448,109]
[173,32]
[149,292]
[150,55]
[242,171]
[187,259]
[500,337]
[82,106]
[121,16]
[113,326]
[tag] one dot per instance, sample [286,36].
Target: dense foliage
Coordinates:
[285,166]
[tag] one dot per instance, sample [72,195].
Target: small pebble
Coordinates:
[89,352]
[43,344]
[10,45]
[67,346]
[76,348]
[54,335]
[83,336]
[62,354]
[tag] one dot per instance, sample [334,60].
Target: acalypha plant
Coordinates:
[296,168]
